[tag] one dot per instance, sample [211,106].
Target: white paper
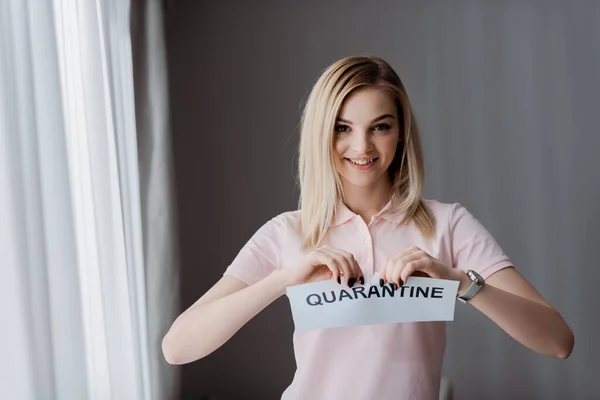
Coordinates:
[420,299]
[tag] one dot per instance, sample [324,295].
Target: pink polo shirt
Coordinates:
[393,361]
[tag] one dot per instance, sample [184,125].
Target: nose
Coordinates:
[362,143]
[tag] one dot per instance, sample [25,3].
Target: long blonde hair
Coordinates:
[319,181]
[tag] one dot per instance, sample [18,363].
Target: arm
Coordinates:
[217,316]
[507,299]
[516,307]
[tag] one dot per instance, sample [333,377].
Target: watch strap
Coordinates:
[476,285]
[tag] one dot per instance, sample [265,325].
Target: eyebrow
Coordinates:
[384,116]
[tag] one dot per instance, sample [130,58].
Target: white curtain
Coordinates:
[73,283]
[156,187]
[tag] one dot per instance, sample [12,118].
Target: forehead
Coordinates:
[364,104]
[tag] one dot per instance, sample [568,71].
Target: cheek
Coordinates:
[339,148]
[390,144]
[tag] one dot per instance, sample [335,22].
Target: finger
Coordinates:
[407,251]
[393,265]
[355,273]
[410,269]
[359,273]
[383,272]
[395,273]
[323,258]
[356,270]
[344,266]
[386,271]
[410,257]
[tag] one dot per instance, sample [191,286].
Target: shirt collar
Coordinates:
[389,212]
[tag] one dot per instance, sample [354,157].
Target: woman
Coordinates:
[361,213]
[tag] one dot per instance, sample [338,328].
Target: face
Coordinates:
[366,135]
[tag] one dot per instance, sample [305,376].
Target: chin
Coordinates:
[360,181]
[364,179]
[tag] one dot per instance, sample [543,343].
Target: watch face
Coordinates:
[475,277]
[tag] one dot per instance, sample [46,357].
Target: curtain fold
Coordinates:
[74,284]
[156,187]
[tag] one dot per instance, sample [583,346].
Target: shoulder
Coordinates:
[279,224]
[446,214]
[287,217]
[456,220]
[440,209]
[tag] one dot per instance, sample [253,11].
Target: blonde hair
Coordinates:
[319,181]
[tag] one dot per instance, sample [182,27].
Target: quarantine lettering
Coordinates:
[350,294]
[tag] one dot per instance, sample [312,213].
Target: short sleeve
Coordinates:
[473,247]
[261,255]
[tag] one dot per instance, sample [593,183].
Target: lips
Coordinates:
[362,161]
[361,165]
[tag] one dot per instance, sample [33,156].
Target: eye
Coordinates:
[341,128]
[382,127]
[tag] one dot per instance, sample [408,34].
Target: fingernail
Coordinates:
[361,280]
[339,280]
[351,282]
[381,282]
[401,283]
[394,286]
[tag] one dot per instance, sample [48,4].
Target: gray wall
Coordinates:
[506,94]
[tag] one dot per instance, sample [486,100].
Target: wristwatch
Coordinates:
[477,283]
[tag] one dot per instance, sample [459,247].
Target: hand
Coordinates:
[412,261]
[325,262]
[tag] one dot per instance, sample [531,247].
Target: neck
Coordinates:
[367,201]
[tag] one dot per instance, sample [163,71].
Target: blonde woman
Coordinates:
[361,213]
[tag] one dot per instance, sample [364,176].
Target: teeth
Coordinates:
[362,162]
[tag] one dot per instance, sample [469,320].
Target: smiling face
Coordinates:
[366,135]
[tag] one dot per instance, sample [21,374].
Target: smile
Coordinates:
[362,164]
